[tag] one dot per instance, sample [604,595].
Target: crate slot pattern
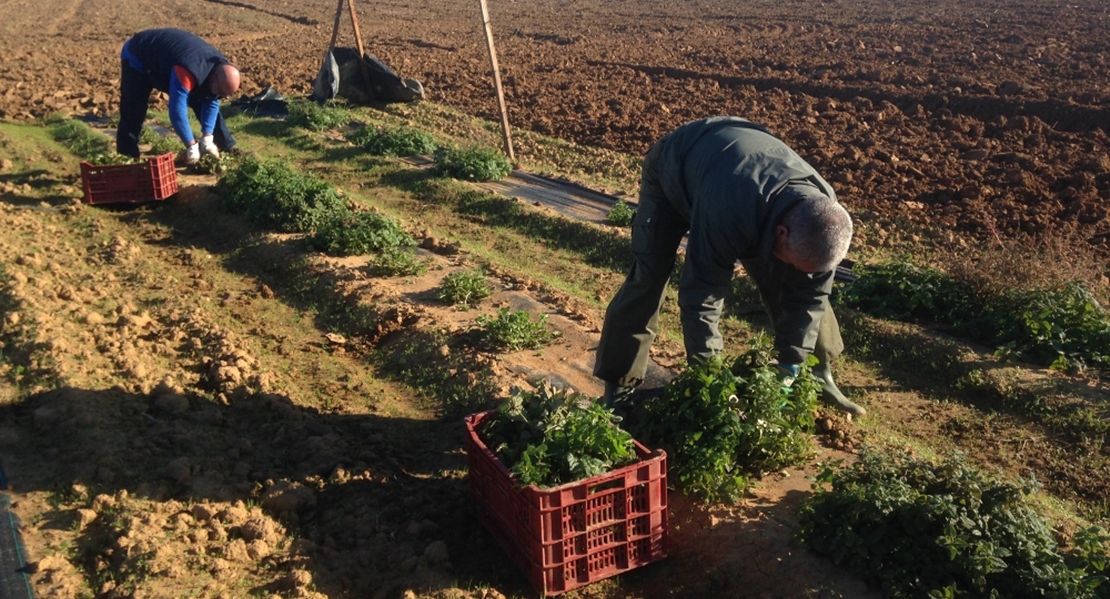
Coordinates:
[151,180]
[569,536]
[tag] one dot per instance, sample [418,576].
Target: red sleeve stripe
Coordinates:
[185,77]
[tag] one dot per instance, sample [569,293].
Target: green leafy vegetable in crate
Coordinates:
[723,424]
[552,437]
[110,158]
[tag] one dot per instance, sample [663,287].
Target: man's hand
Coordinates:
[208,146]
[192,153]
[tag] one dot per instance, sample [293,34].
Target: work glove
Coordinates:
[192,153]
[786,374]
[208,146]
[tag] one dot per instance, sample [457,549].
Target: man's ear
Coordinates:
[781,233]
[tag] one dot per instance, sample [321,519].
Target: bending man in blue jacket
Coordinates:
[743,195]
[192,72]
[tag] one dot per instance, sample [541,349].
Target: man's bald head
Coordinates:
[224,80]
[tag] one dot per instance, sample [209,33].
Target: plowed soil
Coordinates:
[978,118]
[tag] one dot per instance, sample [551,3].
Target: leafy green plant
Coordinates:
[272,193]
[354,233]
[464,287]
[316,117]
[148,135]
[164,144]
[472,163]
[398,262]
[923,529]
[404,141]
[110,158]
[621,214]
[211,165]
[515,330]
[901,290]
[551,437]
[79,138]
[1060,326]
[723,424]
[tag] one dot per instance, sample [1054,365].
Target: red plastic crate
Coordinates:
[154,179]
[569,536]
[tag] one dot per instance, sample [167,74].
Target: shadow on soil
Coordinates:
[383,488]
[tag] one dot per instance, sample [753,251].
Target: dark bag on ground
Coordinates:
[340,75]
[266,103]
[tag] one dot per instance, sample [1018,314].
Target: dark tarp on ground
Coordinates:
[340,75]
[269,102]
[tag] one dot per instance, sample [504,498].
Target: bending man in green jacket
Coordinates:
[743,195]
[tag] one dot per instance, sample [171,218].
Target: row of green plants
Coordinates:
[273,194]
[1061,326]
[81,139]
[943,530]
[470,163]
[96,148]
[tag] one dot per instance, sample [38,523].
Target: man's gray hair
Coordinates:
[820,231]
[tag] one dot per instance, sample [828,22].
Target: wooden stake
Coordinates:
[361,52]
[497,83]
[335,28]
[358,40]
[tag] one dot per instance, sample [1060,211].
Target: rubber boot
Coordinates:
[832,396]
[618,399]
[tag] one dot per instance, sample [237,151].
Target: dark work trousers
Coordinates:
[134,94]
[632,318]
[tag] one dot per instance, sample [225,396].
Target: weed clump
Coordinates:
[724,424]
[272,193]
[164,144]
[553,437]
[398,262]
[473,163]
[463,288]
[405,141]
[353,233]
[316,117]
[515,330]
[211,165]
[621,214]
[920,529]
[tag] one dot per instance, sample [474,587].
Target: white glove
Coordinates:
[192,153]
[208,146]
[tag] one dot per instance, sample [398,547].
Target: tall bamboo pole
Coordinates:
[497,83]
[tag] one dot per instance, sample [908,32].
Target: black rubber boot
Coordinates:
[618,399]
[832,396]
